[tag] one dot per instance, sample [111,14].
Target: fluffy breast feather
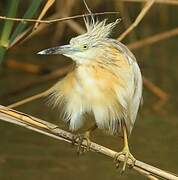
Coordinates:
[96,88]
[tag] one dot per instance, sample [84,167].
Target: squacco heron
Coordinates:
[105,81]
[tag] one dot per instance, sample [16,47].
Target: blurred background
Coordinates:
[28,155]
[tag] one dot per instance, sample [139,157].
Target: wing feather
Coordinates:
[135,84]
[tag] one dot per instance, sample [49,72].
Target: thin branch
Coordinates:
[153,39]
[141,15]
[52,130]
[31,98]
[155,89]
[88,9]
[120,5]
[48,4]
[55,20]
[171,2]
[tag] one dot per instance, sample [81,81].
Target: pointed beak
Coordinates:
[65,50]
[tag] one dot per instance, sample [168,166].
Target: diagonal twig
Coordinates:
[48,4]
[141,15]
[153,39]
[162,95]
[52,130]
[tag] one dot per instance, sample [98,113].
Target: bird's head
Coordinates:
[88,46]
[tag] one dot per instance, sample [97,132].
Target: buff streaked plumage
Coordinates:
[106,80]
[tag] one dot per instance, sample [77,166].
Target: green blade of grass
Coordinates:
[12,7]
[29,14]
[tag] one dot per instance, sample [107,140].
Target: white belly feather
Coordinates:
[88,94]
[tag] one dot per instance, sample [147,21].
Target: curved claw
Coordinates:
[80,138]
[127,155]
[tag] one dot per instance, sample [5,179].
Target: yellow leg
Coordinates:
[125,151]
[84,137]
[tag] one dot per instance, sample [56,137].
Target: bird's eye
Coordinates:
[85,46]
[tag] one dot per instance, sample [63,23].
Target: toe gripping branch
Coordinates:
[80,139]
[127,157]
[125,152]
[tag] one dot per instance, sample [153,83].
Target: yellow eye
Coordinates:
[85,46]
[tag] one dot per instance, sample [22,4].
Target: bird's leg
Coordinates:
[125,152]
[79,138]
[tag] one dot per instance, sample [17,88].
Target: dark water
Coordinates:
[25,155]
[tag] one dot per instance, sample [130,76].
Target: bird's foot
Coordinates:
[128,156]
[79,139]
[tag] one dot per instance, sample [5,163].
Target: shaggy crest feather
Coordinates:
[98,29]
